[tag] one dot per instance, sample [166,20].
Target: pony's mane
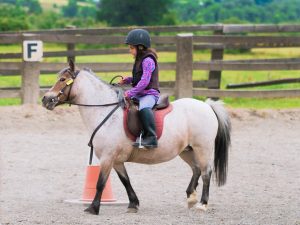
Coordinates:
[85,69]
[90,71]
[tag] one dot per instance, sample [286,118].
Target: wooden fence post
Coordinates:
[71,46]
[184,66]
[215,55]
[30,88]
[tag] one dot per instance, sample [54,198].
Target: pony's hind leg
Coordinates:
[205,191]
[203,169]
[133,200]
[188,156]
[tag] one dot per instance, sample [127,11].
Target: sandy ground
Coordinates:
[44,155]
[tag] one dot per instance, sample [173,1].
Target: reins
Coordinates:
[109,104]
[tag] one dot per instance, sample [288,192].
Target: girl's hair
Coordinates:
[142,50]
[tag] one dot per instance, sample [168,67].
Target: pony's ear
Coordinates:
[71,65]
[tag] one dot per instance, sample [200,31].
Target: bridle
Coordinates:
[120,102]
[68,83]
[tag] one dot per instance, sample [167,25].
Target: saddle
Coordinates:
[131,121]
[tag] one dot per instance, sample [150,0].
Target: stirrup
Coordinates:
[139,142]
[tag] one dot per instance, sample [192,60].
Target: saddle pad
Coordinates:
[159,121]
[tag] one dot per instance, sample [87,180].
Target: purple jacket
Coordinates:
[148,65]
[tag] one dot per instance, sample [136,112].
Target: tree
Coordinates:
[87,11]
[32,5]
[12,18]
[71,9]
[262,2]
[133,12]
[188,10]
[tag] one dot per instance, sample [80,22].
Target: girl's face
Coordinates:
[132,50]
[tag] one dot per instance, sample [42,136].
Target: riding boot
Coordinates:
[149,139]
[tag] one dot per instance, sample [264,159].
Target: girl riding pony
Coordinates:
[144,81]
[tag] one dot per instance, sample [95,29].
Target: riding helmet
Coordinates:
[138,37]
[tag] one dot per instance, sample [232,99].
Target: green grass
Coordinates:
[10,101]
[228,77]
[48,5]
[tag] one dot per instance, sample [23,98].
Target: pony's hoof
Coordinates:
[132,210]
[191,203]
[92,210]
[201,207]
[192,200]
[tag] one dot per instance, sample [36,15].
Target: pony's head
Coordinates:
[61,90]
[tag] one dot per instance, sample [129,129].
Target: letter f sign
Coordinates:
[33,51]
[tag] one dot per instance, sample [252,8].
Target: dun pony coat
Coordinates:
[199,132]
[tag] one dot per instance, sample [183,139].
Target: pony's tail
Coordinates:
[222,141]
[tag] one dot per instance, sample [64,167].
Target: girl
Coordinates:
[144,81]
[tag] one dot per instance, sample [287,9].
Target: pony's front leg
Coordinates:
[133,200]
[103,176]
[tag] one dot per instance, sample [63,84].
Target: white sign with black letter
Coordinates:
[33,51]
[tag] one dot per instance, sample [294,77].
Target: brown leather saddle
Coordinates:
[132,122]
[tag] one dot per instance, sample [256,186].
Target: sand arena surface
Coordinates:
[44,155]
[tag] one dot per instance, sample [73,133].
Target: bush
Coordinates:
[12,18]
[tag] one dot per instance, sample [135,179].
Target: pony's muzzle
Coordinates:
[49,102]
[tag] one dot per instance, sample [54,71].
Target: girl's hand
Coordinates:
[126,97]
[125,80]
[122,81]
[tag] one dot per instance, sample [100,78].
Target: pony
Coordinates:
[198,132]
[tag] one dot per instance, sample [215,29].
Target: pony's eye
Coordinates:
[62,79]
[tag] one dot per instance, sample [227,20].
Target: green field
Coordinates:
[54,4]
[228,77]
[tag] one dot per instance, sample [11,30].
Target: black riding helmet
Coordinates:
[138,37]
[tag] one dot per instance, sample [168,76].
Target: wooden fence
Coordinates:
[180,39]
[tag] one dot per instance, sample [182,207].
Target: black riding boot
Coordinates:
[149,139]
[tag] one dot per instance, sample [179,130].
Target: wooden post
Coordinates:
[30,88]
[184,66]
[216,54]
[71,46]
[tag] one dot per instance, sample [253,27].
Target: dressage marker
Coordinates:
[89,190]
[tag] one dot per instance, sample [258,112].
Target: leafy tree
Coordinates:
[188,10]
[28,14]
[12,18]
[133,12]
[252,11]
[262,2]
[71,9]
[87,11]
[48,20]
[32,5]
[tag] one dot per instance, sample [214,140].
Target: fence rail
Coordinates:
[222,37]
[229,28]
[216,65]
[226,40]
